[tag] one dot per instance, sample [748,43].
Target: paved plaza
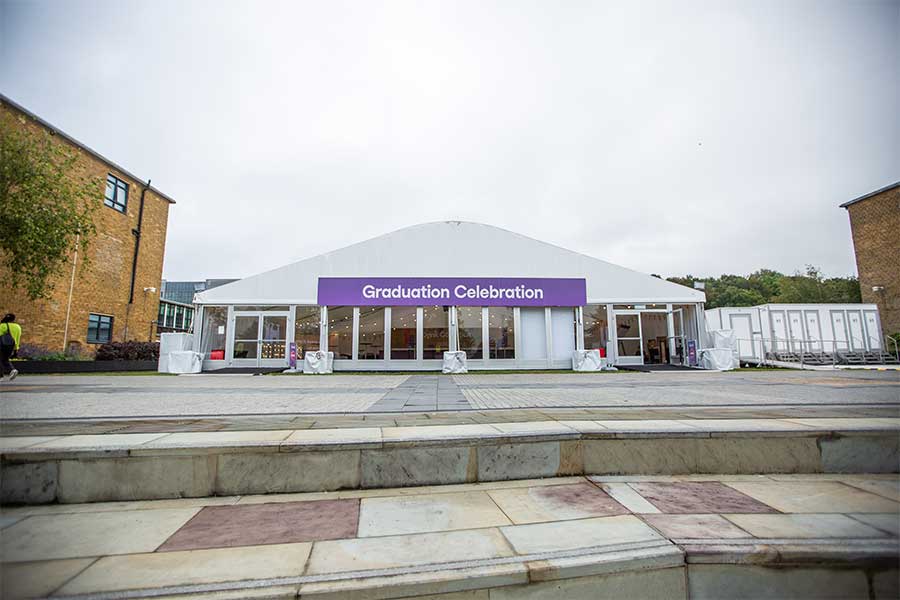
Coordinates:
[109,397]
[498,535]
[402,485]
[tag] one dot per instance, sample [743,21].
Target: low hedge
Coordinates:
[128,351]
[37,352]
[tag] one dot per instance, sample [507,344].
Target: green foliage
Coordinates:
[766,285]
[128,351]
[46,206]
[38,352]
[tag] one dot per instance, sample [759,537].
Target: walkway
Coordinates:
[627,536]
[111,397]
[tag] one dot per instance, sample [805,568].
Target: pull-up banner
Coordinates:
[451,291]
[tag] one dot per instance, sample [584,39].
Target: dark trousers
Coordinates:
[5,353]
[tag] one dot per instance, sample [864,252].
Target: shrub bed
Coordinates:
[39,367]
[128,351]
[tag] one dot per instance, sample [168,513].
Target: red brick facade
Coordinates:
[875,222]
[102,287]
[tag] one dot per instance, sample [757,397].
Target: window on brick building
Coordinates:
[99,329]
[116,193]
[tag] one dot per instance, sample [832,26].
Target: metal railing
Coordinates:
[762,347]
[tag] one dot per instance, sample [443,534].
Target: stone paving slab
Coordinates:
[487,538]
[888,523]
[38,579]
[580,533]
[167,569]
[551,503]
[429,512]
[117,467]
[700,526]
[204,396]
[407,550]
[803,526]
[277,523]
[287,440]
[698,497]
[627,497]
[91,534]
[584,419]
[814,496]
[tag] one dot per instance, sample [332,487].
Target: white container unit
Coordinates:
[799,328]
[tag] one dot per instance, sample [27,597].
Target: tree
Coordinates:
[766,285]
[46,206]
[766,282]
[737,296]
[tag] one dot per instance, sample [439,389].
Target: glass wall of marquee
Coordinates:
[640,334]
[415,338]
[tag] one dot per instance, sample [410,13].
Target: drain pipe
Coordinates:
[137,245]
[71,288]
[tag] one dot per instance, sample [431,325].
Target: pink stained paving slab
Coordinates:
[582,496]
[258,524]
[698,498]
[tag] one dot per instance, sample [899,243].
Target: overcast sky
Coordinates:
[669,137]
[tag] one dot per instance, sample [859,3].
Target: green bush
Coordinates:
[128,351]
[36,352]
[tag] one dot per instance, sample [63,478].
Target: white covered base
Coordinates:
[180,362]
[718,359]
[318,363]
[454,362]
[587,360]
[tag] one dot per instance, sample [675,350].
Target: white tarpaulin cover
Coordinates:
[182,361]
[455,362]
[717,359]
[318,363]
[170,343]
[175,342]
[587,360]
[723,355]
[723,338]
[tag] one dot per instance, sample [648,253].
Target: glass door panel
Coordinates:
[629,347]
[435,332]
[371,333]
[470,331]
[501,333]
[628,338]
[246,337]
[403,332]
[273,342]
[678,342]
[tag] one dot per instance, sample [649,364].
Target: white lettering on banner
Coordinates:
[427,292]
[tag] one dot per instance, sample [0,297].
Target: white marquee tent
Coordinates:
[620,305]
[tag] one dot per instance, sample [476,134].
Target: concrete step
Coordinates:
[697,537]
[120,467]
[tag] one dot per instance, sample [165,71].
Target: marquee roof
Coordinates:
[450,249]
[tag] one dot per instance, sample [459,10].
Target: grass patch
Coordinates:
[104,373]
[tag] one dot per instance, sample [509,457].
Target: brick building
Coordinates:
[875,223]
[112,297]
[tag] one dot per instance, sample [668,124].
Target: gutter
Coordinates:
[137,243]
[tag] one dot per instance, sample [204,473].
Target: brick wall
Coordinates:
[875,223]
[102,285]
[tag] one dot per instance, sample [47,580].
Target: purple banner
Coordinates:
[451,291]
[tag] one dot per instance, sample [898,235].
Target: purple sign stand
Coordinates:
[451,291]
